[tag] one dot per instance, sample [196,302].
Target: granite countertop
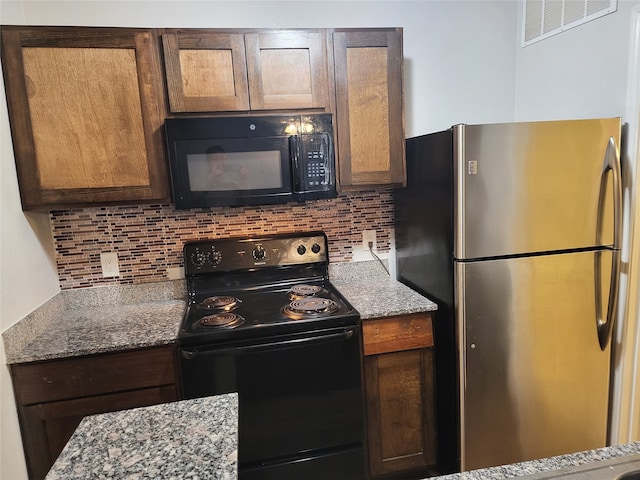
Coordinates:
[98,320]
[198,439]
[116,318]
[186,439]
[553,467]
[374,293]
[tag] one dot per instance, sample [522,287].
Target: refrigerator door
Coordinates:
[532,187]
[534,381]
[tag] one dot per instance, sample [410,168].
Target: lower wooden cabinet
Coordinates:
[54,396]
[399,385]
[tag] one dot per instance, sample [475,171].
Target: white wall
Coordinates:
[28,276]
[459,67]
[579,73]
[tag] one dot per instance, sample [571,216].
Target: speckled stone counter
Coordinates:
[552,467]
[187,439]
[98,320]
[115,318]
[371,290]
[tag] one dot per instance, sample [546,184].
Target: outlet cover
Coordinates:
[109,262]
[369,236]
[175,273]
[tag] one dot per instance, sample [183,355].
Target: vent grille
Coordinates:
[544,18]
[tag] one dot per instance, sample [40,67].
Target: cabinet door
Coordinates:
[401,411]
[369,106]
[400,394]
[205,71]
[287,69]
[53,396]
[48,427]
[85,107]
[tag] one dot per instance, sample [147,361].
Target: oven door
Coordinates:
[231,171]
[301,409]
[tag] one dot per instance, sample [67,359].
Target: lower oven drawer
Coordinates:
[343,464]
[300,397]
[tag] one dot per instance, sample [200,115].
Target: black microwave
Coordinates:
[250,160]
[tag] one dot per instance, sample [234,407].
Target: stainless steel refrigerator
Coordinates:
[514,231]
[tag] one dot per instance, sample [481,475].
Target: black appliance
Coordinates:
[264,320]
[250,160]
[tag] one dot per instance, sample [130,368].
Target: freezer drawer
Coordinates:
[534,381]
[532,187]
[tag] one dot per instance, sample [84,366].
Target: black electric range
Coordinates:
[264,320]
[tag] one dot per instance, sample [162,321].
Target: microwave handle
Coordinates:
[294,153]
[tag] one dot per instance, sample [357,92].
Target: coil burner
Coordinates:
[303,290]
[310,307]
[225,303]
[225,319]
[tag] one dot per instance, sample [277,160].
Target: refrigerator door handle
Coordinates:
[612,165]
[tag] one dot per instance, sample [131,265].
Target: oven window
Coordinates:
[221,170]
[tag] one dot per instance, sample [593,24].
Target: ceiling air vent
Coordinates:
[544,18]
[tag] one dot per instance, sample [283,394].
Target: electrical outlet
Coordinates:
[369,236]
[175,273]
[109,262]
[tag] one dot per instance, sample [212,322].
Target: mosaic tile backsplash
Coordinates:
[148,238]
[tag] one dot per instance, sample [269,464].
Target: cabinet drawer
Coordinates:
[93,375]
[392,334]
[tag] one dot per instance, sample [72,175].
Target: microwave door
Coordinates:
[250,160]
[232,172]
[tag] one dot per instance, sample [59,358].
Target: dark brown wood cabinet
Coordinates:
[54,396]
[369,106]
[213,71]
[206,71]
[86,104]
[400,396]
[85,107]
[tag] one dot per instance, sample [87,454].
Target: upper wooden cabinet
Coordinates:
[86,104]
[369,110]
[205,71]
[85,107]
[209,71]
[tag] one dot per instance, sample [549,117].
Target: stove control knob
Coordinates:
[199,258]
[315,248]
[302,249]
[216,257]
[259,253]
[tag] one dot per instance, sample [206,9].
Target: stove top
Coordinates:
[249,288]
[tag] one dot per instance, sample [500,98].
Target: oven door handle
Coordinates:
[345,334]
